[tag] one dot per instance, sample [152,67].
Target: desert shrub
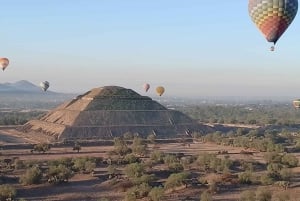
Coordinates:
[131,158]
[32,175]
[7,192]
[19,164]
[138,146]
[263,194]
[84,164]
[265,179]
[206,196]
[138,191]
[175,180]
[272,157]
[59,174]
[131,194]
[42,147]
[283,196]
[247,195]
[289,160]
[285,174]
[111,169]
[68,162]
[169,158]
[157,156]
[143,190]
[274,170]
[245,177]
[120,147]
[175,167]
[156,194]
[151,138]
[134,170]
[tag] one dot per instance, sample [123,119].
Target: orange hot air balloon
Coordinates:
[160,90]
[296,103]
[4,63]
[146,87]
[272,17]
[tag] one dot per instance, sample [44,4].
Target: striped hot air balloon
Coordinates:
[272,17]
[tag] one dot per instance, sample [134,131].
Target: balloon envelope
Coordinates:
[3,63]
[272,17]
[146,87]
[44,85]
[160,90]
[296,103]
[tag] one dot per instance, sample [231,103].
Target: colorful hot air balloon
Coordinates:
[146,87]
[160,90]
[272,17]
[3,63]
[296,103]
[44,85]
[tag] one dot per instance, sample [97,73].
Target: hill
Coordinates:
[25,95]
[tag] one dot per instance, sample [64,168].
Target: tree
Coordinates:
[42,147]
[77,147]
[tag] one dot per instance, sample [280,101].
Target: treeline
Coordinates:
[18,118]
[278,114]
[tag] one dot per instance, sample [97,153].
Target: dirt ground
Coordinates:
[84,187]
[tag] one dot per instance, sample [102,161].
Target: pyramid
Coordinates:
[108,112]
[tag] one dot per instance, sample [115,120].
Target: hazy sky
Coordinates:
[192,47]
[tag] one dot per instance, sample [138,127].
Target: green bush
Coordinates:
[7,192]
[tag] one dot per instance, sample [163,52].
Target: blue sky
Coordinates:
[193,47]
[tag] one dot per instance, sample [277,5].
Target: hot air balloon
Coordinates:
[44,85]
[3,63]
[160,90]
[296,103]
[146,87]
[272,17]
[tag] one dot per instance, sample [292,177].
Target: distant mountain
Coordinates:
[21,86]
[25,95]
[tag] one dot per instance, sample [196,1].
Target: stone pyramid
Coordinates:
[108,112]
